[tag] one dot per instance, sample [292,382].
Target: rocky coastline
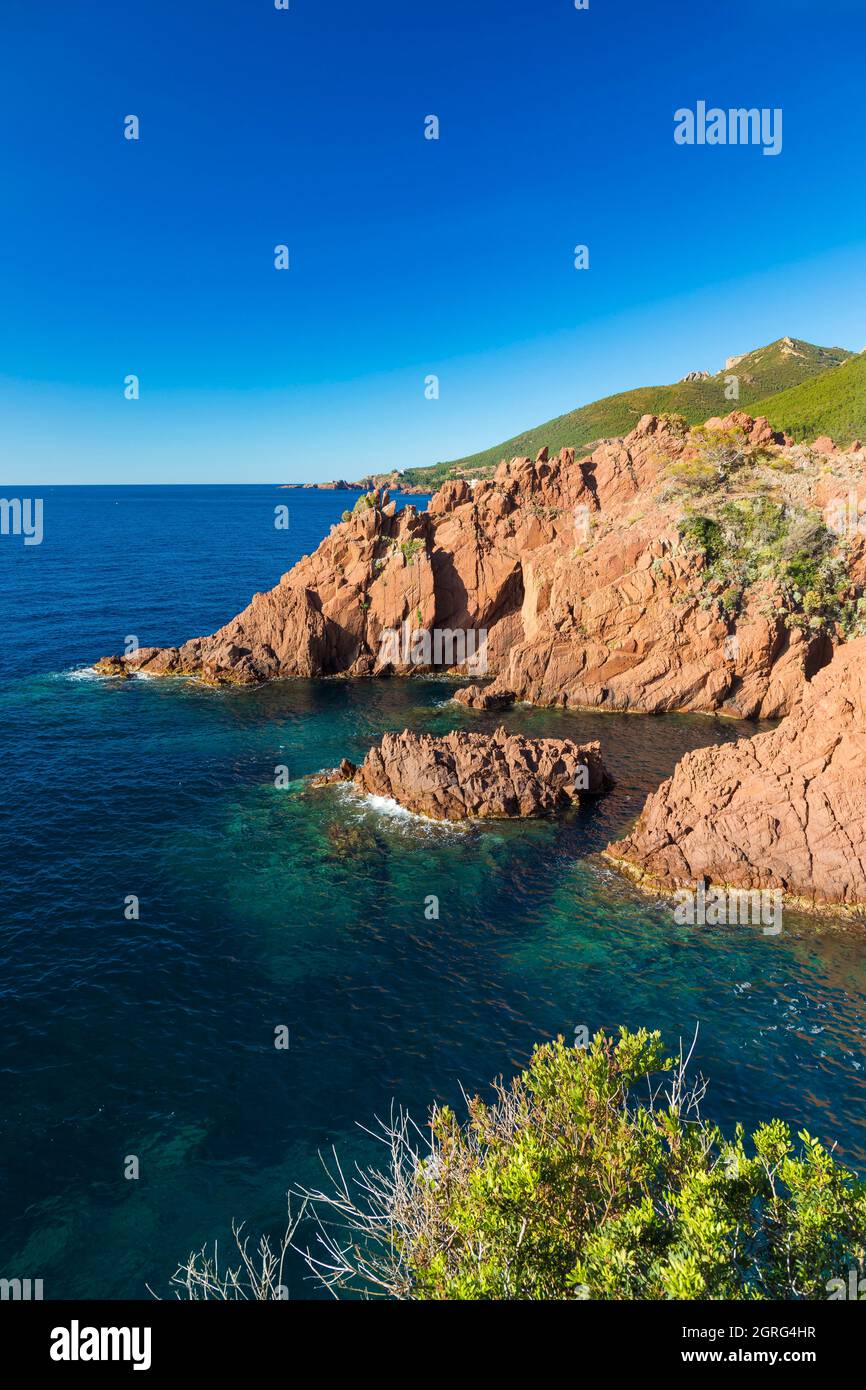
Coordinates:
[717,569]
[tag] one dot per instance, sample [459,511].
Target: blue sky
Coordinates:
[408,256]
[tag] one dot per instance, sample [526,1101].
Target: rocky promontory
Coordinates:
[783,810]
[459,776]
[672,569]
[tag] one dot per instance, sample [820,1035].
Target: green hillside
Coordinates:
[833,403]
[787,363]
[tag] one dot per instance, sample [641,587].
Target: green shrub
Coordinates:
[703,534]
[727,451]
[409,549]
[589,1177]
[748,540]
[676,423]
[693,476]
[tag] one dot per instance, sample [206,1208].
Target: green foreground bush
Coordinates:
[593,1175]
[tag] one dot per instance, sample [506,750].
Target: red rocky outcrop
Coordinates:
[783,810]
[487,776]
[572,565]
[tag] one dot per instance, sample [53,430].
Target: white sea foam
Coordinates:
[387,806]
[389,809]
[79,673]
[87,673]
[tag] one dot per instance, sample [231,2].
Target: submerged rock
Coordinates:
[489,776]
[783,810]
[353,841]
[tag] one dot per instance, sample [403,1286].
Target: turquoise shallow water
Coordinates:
[262,907]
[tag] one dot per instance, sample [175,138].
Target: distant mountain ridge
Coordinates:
[802,388]
[784,372]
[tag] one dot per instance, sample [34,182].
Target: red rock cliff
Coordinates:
[785,809]
[574,567]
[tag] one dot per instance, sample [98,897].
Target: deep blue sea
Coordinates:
[262,907]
